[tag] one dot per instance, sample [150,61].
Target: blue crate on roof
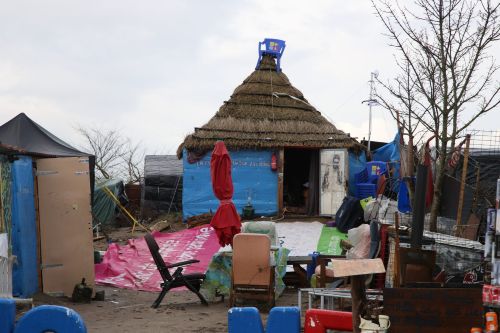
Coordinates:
[272,47]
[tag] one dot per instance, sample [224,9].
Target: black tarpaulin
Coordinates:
[33,139]
[24,133]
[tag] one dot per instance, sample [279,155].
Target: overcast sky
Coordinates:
[157,69]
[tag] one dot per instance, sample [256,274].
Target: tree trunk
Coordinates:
[358,296]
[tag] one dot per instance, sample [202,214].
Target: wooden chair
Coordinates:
[325,274]
[252,274]
[177,279]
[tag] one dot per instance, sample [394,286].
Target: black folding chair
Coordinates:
[177,279]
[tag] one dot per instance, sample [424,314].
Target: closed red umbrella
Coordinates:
[226,220]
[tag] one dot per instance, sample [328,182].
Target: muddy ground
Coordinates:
[130,311]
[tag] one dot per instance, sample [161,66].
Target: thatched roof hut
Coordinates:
[266,111]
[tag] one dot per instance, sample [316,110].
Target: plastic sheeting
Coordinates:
[104,209]
[162,186]
[24,237]
[252,175]
[159,169]
[357,162]
[390,153]
[131,266]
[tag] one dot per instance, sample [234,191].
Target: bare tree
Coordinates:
[399,98]
[133,160]
[115,155]
[443,46]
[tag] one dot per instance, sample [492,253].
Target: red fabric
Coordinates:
[131,266]
[226,220]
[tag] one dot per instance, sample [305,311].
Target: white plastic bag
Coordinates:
[359,238]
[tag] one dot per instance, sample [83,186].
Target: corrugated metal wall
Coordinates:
[24,237]
[251,174]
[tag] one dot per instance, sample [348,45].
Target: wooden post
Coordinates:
[281,167]
[397,280]
[357,269]
[476,191]
[462,186]
[358,294]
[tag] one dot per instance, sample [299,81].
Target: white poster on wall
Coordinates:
[333,175]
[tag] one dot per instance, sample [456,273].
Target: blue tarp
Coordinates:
[390,153]
[357,162]
[251,174]
[24,239]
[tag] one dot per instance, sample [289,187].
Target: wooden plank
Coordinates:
[299,260]
[430,310]
[65,224]
[353,267]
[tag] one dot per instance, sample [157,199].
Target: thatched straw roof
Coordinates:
[266,111]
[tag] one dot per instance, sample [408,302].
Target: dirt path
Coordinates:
[130,311]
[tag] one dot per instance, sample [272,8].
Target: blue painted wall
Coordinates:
[24,240]
[251,171]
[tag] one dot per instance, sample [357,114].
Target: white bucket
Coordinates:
[369,327]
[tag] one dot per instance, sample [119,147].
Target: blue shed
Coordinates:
[28,149]
[253,179]
[274,137]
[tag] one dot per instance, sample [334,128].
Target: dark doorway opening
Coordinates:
[296,180]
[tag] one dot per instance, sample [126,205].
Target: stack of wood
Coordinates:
[197,220]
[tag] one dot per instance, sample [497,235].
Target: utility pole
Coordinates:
[371,102]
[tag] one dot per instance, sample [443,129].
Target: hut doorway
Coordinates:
[297,163]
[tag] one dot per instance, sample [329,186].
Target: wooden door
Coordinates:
[333,175]
[66,243]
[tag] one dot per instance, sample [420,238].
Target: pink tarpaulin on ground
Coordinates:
[131,266]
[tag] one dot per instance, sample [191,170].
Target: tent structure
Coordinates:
[274,136]
[23,132]
[49,222]
[104,208]
[161,190]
